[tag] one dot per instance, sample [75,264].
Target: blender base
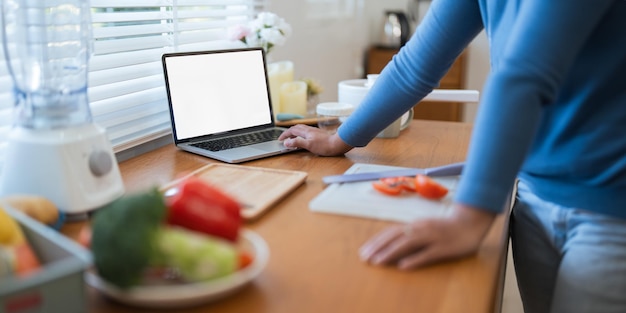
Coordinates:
[73,167]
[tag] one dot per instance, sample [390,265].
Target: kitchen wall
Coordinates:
[330,37]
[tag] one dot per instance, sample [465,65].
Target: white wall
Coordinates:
[330,38]
[477,71]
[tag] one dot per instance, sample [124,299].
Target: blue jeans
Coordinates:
[567,260]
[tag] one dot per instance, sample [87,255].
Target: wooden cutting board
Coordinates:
[257,189]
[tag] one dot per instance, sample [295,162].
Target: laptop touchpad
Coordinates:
[270,146]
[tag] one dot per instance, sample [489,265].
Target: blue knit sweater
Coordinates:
[553,109]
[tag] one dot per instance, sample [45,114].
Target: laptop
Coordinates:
[220,105]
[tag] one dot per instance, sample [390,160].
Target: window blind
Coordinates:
[126,86]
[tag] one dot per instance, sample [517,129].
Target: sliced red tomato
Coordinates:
[202,207]
[388,189]
[395,185]
[422,184]
[407,183]
[429,188]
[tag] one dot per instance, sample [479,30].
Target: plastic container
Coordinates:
[59,285]
[352,91]
[332,114]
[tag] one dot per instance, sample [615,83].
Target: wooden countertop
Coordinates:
[314,264]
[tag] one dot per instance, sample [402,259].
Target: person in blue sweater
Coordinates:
[552,117]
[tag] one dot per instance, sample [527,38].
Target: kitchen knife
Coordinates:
[453,169]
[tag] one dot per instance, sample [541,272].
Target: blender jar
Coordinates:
[47,48]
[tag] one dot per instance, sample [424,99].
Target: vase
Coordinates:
[311,104]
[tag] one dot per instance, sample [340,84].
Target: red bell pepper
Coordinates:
[201,207]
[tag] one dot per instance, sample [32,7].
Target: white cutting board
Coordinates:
[360,199]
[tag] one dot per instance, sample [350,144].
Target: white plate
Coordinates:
[191,294]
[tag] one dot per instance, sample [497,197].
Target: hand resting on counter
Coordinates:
[428,241]
[315,140]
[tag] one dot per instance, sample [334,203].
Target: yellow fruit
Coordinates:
[10,232]
[37,207]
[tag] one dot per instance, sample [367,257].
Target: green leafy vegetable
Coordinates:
[123,236]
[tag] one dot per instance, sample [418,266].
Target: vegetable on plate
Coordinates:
[141,233]
[201,207]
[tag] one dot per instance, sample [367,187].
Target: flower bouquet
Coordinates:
[266,31]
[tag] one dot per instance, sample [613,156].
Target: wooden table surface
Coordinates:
[314,264]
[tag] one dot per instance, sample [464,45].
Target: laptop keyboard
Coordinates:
[239,141]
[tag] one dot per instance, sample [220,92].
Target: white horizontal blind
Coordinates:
[126,85]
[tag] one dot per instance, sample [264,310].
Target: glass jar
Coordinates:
[332,114]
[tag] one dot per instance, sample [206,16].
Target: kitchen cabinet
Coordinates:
[375,60]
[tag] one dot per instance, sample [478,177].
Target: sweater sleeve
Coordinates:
[541,44]
[445,31]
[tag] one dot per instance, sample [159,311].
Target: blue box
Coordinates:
[59,285]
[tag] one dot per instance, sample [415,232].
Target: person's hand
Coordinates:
[315,140]
[427,241]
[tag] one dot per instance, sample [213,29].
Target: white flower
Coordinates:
[266,31]
[268,18]
[273,36]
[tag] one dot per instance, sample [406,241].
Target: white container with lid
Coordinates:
[332,114]
[354,90]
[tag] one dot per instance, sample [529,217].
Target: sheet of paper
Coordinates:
[361,200]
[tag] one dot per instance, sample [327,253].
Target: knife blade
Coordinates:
[445,170]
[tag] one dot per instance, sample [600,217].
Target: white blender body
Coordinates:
[54,149]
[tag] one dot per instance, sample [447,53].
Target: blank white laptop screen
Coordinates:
[215,93]
[220,104]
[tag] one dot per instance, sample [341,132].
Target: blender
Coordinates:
[54,149]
